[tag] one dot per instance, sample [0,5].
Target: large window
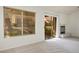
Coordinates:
[18,22]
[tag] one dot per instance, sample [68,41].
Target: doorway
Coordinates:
[50,26]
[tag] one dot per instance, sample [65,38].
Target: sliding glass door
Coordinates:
[18,22]
[50,26]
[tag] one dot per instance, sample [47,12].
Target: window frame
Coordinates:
[22,26]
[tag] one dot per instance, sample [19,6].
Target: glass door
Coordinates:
[50,27]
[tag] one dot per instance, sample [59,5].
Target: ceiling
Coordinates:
[62,9]
[58,9]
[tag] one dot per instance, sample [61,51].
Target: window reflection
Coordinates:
[17,22]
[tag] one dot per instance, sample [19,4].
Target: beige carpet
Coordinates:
[56,45]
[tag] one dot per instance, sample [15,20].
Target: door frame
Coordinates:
[57,23]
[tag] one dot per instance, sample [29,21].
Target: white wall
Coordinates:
[61,20]
[73,24]
[6,43]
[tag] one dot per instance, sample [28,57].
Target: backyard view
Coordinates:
[50,27]
[18,22]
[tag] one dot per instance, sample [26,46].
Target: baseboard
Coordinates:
[75,37]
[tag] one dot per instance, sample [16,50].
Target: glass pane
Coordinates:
[28,23]
[50,26]
[12,22]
